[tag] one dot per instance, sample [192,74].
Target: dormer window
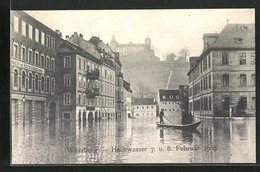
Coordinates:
[177,97]
[244,28]
[171,97]
[238,40]
[164,97]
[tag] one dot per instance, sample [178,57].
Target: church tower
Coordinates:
[147,43]
[113,43]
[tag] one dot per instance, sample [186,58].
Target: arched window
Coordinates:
[15,78]
[42,83]
[52,85]
[23,79]
[30,80]
[36,82]
[48,86]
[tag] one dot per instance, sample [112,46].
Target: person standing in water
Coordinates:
[161,116]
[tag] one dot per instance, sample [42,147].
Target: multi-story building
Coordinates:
[34,70]
[127,96]
[144,106]
[173,102]
[222,78]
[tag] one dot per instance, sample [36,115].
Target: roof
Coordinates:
[79,50]
[169,95]
[227,39]
[127,86]
[143,101]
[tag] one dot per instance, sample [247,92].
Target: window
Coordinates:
[30,31]
[23,79]
[67,62]
[37,35]
[209,60]
[201,67]
[171,97]
[225,58]
[172,109]
[66,98]
[67,80]
[147,107]
[52,64]
[225,80]
[142,107]
[48,41]
[242,58]
[48,62]
[30,80]
[252,58]
[137,107]
[253,79]
[15,78]
[238,40]
[15,50]
[79,99]
[42,84]
[209,80]
[48,85]
[43,38]
[36,82]
[242,104]
[177,97]
[42,60]
[164,97]
[23,28]
[53,85]
[52,44]
[36,58]
[16,24]
[79,63]
[201,85]
[243,80]
[30,56]
[165,110]
[209,102]
[84,64]
[151,107]
[206,78]
[23,53]
[253,103]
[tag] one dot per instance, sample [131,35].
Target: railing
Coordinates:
[92,93]
[93,74]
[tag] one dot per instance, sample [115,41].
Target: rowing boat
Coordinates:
[191,126]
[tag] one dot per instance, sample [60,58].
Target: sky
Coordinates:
[169,30]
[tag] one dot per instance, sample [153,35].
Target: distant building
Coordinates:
[144,106]
[127,94]
[173,102]
[222,78]
[34,71]
[134,52]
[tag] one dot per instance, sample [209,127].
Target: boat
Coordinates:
[191,126]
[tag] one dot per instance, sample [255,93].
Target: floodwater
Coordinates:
[133,141]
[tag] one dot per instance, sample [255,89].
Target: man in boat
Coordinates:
[161,116]
[186,118]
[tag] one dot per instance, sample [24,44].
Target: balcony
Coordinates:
[93,74]
[92,92]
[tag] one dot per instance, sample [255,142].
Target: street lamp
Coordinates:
[24,109]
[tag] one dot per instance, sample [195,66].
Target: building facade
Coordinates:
[144,106]
[222,78]
[34,70]
[127,98]
[173,102]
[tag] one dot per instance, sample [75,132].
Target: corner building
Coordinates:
[222,78]
[33,70]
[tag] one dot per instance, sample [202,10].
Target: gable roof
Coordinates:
[169,95]
[143,101]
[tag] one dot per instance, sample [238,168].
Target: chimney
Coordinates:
[67,37]
[58,32]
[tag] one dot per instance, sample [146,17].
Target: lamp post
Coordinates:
[24,109]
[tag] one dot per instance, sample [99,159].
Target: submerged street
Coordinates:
[133,141]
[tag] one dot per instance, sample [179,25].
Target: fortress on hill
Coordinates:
[139,64]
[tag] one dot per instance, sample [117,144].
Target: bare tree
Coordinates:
[142,90]
[184,53]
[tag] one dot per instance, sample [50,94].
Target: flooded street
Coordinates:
[133,141]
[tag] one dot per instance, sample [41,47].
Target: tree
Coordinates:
[142,90]
[184,53]
[170,57]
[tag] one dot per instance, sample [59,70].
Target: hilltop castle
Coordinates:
[134,52]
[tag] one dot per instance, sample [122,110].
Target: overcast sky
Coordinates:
[170,30]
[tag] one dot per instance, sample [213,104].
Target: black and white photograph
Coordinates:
[140,86]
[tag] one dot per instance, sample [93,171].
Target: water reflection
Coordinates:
[113,140]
